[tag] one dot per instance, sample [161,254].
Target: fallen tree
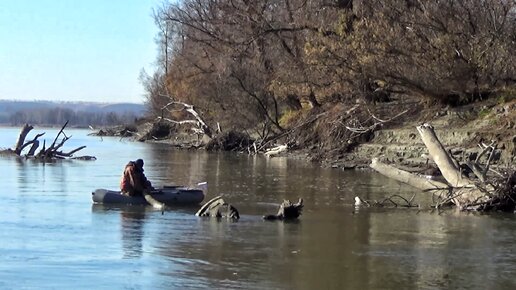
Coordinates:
[489,190]
[52,152]
[199,125]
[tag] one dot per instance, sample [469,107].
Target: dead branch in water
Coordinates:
[46,153]
[389,201]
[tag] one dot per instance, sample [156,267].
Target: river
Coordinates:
[53,237]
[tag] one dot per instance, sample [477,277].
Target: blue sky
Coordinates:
[76,50]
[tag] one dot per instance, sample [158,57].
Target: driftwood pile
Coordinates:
[52,152]
[487,190]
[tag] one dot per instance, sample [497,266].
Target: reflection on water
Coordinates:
[132,232]
[54,238]
[132,222]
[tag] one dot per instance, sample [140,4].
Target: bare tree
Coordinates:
[245,64]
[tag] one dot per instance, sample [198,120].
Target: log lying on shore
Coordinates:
[276,150]
[483,194]
[52,152]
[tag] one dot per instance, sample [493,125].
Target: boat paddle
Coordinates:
[152,201]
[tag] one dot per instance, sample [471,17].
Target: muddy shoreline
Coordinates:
[400,144]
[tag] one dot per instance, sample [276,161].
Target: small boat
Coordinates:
[169,195]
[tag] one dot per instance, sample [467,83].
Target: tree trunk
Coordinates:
[21,138]
[462,191]
[465,191]
[448,168]
[407,177]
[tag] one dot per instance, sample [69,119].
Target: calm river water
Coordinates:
[53,237]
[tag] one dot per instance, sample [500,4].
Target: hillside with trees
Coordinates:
[325,74]
[77,114]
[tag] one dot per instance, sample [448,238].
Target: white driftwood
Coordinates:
[190,109]
[276,150]
[462,191]
[441,157]
[465,191]
[407,177]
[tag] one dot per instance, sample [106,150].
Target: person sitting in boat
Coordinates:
[134,182]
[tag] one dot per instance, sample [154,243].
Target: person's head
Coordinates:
[139,163]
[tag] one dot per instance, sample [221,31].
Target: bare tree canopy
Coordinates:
[255,65]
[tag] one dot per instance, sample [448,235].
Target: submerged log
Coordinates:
[217,207]
[465,193]
[287,211]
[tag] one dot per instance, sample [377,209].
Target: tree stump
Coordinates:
[287,211]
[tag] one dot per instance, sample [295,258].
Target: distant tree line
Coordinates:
[58,116]
[247,64]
